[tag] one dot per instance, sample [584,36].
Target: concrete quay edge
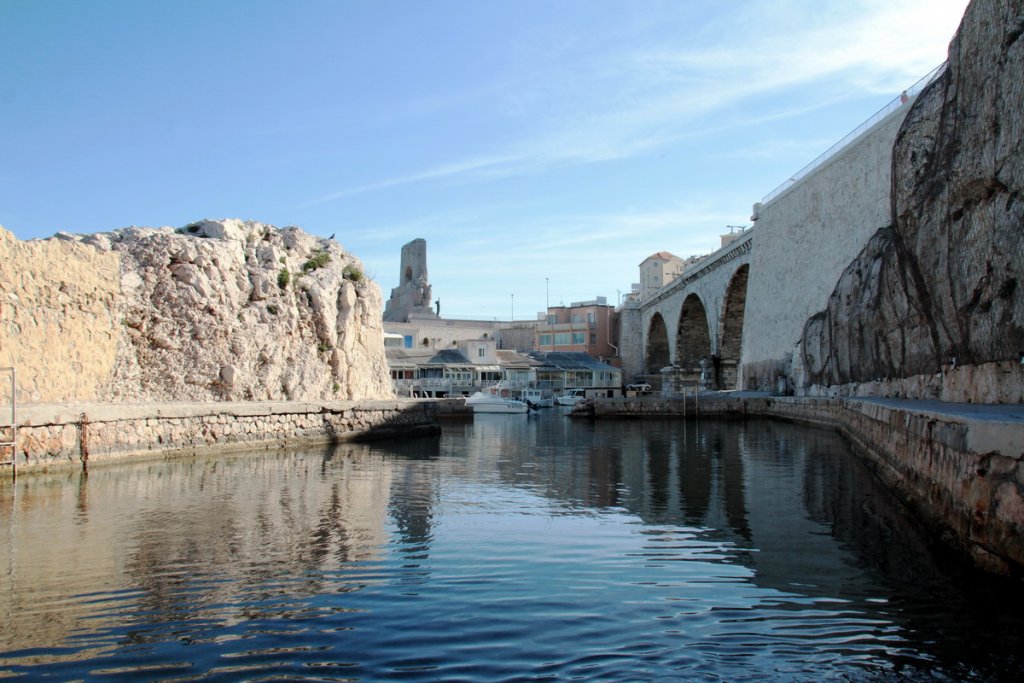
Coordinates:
[33,415]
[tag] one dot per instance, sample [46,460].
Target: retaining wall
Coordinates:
[806,237]
[61,436]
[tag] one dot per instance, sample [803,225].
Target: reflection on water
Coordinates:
[509,547]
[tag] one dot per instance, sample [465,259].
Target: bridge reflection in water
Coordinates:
[508,547]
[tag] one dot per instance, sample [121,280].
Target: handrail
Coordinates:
[13,426]
[896,103]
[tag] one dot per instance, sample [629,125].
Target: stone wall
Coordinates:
[53,437]
[60,317]
[631,341]
[963,477]
[998,382]
[805,238]
[939,287]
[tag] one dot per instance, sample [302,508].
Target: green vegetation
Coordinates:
[282,259]
[323,347]
[352,273]
[318,260]
[283,278]
[335,387]
[272,309]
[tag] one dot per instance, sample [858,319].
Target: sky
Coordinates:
[543,149]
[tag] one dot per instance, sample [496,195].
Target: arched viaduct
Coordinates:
[692,330]
[735,319]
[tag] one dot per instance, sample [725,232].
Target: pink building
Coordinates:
[585,327]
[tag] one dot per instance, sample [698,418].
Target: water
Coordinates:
[511,548]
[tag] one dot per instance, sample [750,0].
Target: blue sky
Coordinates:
[559,140]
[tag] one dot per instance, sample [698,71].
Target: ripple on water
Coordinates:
[505,551]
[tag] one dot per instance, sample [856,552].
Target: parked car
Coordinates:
[642,386]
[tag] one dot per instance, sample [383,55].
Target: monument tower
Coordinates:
[411,298]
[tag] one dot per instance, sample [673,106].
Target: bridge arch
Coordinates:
[730,334]
[693,336]
[657,355]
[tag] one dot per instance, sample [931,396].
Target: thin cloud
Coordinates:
[622,104]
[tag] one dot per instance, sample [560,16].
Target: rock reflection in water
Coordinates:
[638,550]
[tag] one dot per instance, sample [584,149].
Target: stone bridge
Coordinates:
[693,327]
[735,319]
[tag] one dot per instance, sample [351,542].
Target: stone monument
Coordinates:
[411,298]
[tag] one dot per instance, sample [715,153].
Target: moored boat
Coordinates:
[490,403]
[571,397]
[535,398]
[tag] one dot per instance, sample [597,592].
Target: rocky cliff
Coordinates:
[941,286]
[217,310]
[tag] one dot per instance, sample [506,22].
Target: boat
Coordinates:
[535,398]
[571,397]
[491,403]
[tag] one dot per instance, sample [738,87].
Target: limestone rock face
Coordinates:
[232,310]
[59,318]
[944,281]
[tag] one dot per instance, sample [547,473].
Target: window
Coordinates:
[591,317]
[461,375]
[552,319]
[593,339]
[481,352]
[578,338]
[408,341]
[562,339]
[545,340]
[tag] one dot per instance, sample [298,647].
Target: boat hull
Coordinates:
[499,408]
[485,403]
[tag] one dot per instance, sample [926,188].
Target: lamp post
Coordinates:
[513,307]
[547,297]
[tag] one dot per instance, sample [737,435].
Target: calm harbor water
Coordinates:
[510,548]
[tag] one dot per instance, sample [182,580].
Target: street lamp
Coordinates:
[513,307]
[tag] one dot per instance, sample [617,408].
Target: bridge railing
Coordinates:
[897,102]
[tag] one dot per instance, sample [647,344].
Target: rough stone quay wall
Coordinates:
[59,317]
[967,486]
[943,287]
[806,237]
[70,435]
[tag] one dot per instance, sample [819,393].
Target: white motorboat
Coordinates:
[535,397]
[490,403]
[571,397]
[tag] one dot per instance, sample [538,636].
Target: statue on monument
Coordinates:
[412,296]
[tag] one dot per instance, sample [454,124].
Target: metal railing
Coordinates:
[897,102]
[9,432]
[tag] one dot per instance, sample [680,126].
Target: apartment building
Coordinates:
[583,327]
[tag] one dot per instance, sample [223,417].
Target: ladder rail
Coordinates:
[13,426]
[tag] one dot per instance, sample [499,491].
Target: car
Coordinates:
[641,386]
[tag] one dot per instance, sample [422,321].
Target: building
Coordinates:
[573,370]
[476,364]
[657,270]
[584,327]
